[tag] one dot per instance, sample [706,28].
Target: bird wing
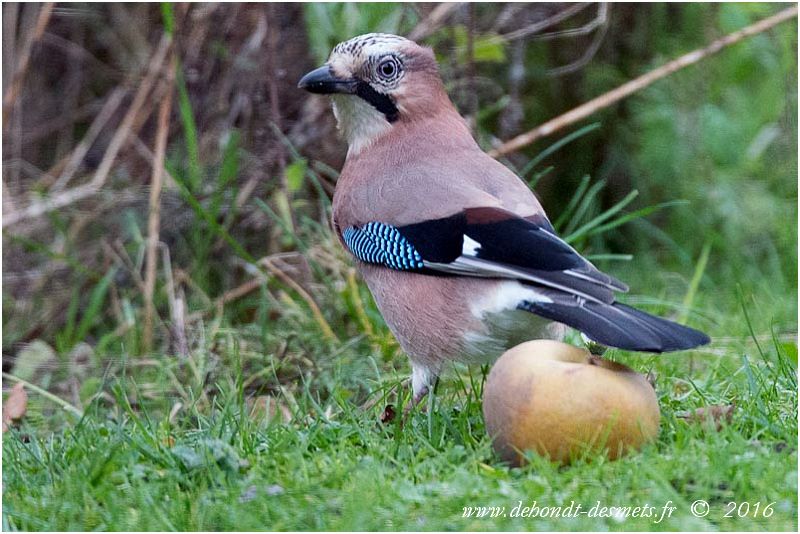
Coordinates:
[484,242]
[495,243]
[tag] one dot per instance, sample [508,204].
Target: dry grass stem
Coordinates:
[601,21]
[154,213]
[177,304]
[244,289]
[536,27]
[24,60]
[77,156]
[327,331]
[433,21]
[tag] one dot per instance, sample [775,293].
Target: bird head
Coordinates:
[378,81]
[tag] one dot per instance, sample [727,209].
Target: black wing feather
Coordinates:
[511,240]
[526,245]
[616,324]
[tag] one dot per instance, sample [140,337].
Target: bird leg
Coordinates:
[422,379]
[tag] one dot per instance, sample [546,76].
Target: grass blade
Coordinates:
[585,203]
[566,214]
[638,214]
[198,208]
[567,139]
[695,282]
[583,230]
[96,300]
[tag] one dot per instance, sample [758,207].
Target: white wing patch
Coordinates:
[503,324]
[506,297]
[470,247]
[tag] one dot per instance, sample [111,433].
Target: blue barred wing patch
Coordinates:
[381,243]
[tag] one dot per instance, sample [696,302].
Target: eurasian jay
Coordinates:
[457,251]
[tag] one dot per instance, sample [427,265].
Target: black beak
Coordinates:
[322,81]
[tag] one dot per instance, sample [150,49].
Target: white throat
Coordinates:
[359,122]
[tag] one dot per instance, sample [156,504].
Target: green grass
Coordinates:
[336,467]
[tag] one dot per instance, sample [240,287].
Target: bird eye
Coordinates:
[388,68]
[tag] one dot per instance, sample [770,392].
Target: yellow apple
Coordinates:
[561,402]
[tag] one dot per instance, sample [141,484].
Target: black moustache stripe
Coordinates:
[381,102]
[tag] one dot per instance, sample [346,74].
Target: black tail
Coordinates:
[618,325]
